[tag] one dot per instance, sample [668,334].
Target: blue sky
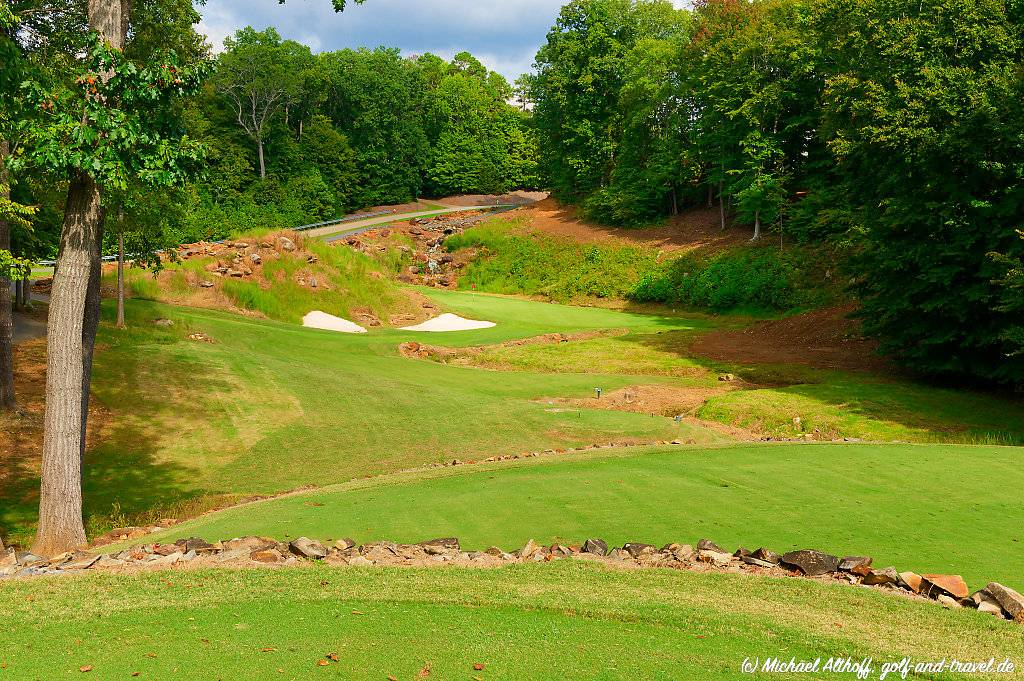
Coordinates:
[503,34]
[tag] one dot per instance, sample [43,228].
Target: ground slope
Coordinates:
[567,620]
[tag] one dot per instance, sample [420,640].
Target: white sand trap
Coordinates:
[449,322]
[328,322]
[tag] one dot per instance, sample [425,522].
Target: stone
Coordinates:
[437,547]
[27,558]
[986,602]
[81,561]
[109,562]
[1012,602]
[741,552]
[166,561]
[196,544]
[948,602]
[885,577]
[255,258]
[345,544]
[954,585]
[191,555]
[767,555]
[206,284]
[246,543]
[636,549]
[237,274]
[684,553]
[911,580]
[267,555]
[308,548]
[528,551]
[708,545]
[598,547]
[285,243]
[234,554]
[727,378]
[163,322]
[812,563]
[858,565]
[8,558]
[165,549]
[750,560]
[360,561]
[494,551]
[716,558]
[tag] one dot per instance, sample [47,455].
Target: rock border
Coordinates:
[950,591]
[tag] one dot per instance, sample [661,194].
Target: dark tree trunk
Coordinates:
[60,499]
[721,203]
[7,401]
[74,316]
[120,278]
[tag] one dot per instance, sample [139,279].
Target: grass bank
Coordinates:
[567,620]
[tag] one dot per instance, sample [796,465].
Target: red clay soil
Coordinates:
[691,230]
[824,339]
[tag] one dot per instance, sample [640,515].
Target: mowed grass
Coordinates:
[927,508]
[269,407]
[566,620]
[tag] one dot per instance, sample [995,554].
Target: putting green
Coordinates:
[907,505]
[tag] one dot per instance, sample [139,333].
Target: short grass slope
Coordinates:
[567,620]
[845,499]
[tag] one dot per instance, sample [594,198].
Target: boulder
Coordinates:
[598,547]
[1011,601]
[812,563]
[285,243]
[268,555]
[636,549]
[948,602]
[206,284]
[708,545]
[167,561]
[886,577]
[954,585]
[528,551]
[247,543]
[80,561]
[911,580]
[986,602]
[741,552]
[27,558]
[684,553]
[716,558]
[360,561]
[750,560]
[767,555]
[196,544]
[437,547]
[308,548]
[345,544]
[858,565]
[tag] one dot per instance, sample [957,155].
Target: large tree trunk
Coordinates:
[72,330]
[263,165]
[120,278]
[757,226]
[60,498]
[7,401]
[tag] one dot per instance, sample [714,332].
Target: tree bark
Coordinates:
[73,308]
[120,278]
[721,203]
[263,165]
[60,499]
[757,225]
[7,398]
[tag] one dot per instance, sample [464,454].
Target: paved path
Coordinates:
[335,232]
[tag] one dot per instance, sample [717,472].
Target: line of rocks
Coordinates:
[949,590]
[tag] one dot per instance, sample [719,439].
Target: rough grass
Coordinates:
[347,282]
[846,499]
[568,620]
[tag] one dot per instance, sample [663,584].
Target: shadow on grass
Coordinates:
[140,401]
[925,411]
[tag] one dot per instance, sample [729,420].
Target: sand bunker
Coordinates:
[449,322]
[328,322]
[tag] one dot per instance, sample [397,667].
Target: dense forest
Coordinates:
[290,137]
[892,130]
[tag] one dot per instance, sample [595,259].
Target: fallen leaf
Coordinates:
[150,654]
[322,663]
[86,668]
[267,650]
[136,673]
[333,657]
[425,672]
[356,612]
[392,677]
[479,666]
